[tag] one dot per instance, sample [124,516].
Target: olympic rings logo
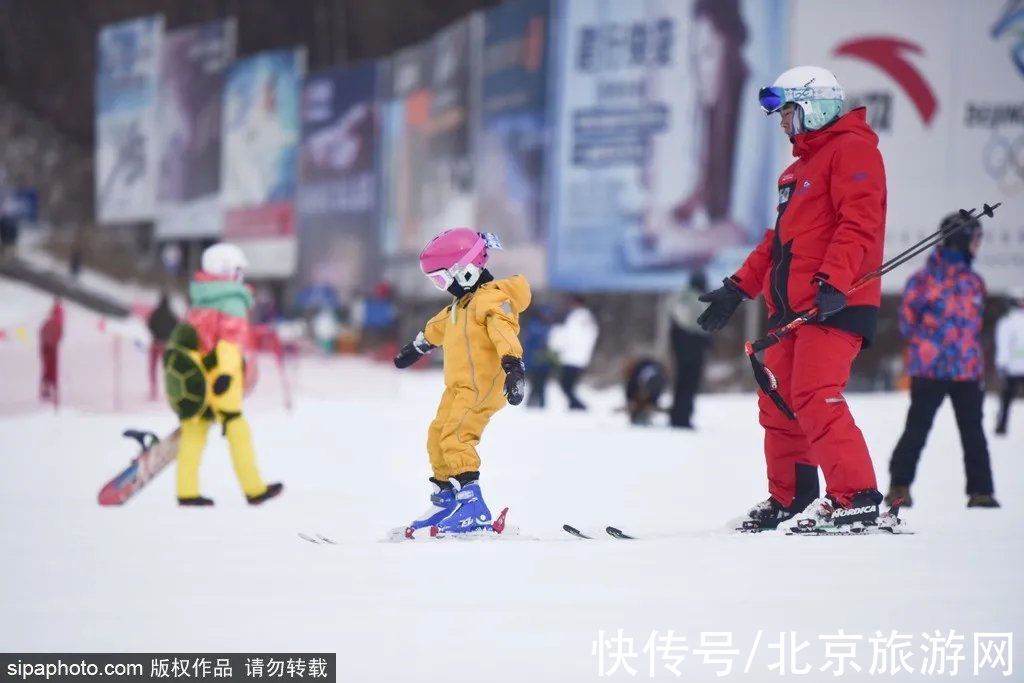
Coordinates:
[1003,159]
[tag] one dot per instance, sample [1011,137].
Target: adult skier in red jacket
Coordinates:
[830,230]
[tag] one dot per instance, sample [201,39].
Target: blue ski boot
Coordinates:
[442,504]
[471,513]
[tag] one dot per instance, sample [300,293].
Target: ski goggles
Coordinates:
[773,98]
[442,279]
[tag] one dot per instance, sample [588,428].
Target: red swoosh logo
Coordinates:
[888,54]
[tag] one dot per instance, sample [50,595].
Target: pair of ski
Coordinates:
[398,535]
[614,532]
[317,539]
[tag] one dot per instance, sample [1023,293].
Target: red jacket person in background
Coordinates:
[830,230]
[50,334]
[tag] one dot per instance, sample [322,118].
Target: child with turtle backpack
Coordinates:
[483,370]
[204,374]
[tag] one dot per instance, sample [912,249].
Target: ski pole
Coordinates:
[767,380]
[775,336]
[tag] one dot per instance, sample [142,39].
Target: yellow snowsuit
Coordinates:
[217,324]
[225,382]
[475,332]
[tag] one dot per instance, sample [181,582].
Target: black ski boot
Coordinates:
[272,490]
[768,514]
[765,516]
[982,500]
[197,501]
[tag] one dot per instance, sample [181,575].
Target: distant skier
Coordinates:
[483,369]
[1010,355]
[573,342]
[829,231]
[537,355]
[50,334]
[689,347]
[204,372]
[161,323]
[941,319]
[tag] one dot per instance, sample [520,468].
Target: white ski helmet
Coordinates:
[224,260]
[814,90]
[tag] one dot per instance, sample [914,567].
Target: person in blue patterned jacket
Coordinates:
[941,319]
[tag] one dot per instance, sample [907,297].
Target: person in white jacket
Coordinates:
[573,341]
[1010,355]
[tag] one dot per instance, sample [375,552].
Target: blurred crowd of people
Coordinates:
[940,318]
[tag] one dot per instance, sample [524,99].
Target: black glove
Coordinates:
[828,300]
[724,301]
[413,351]
[515,379]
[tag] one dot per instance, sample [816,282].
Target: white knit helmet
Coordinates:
[813,89]
[224,260]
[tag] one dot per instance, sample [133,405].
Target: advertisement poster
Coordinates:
[951,130]
[511,153]
[260,148]
[128,65]
[429,169]
[664,160]
[338,183]
[195,60]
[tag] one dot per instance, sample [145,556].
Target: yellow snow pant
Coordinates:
[225,386]
[455,432]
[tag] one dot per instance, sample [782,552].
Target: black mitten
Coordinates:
[515,379]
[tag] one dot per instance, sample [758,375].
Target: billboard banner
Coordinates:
[664,160]
[195,60]
[338,178]
[128,65]
[511,150]
[429,176]
[259,155]
[951,130]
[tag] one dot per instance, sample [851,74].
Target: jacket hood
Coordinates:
[945,262]
[517,289]
[852,124]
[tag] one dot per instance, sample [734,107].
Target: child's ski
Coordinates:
[318,539]
[614,532]
[575,532]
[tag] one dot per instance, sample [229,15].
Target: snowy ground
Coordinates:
[153,577]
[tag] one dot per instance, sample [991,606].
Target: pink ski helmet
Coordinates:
[457,255]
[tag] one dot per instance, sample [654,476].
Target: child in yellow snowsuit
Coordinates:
[204,371]
[483,369]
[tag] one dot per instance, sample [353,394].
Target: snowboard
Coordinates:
[155,455]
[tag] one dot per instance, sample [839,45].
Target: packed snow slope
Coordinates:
[152,577]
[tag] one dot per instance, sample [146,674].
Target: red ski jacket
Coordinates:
[830,227]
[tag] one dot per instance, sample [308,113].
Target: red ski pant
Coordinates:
[48,381]
[812,366]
